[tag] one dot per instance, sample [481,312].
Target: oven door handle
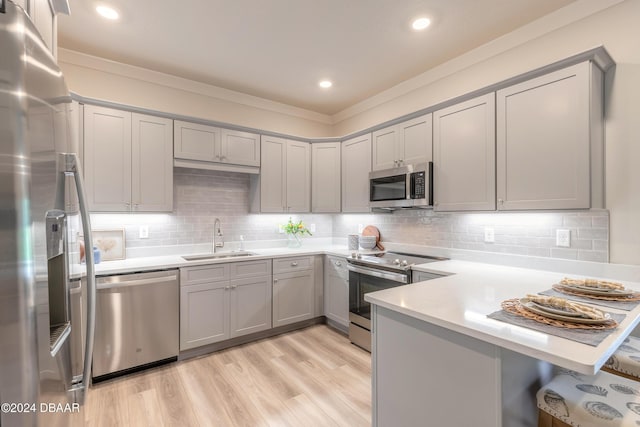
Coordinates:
[378,273]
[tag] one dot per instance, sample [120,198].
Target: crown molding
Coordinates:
[548,23]
[174,82]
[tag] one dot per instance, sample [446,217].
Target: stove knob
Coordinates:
[396,261]
[404,263]
[353,255]
[359,255]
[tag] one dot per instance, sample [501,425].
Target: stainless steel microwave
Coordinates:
[405,187]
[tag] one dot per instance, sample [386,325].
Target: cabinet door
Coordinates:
[298,177]
[250,305]
[464,156]
[415,140]
[336,291]
[543,142]
[107,154]
[273,155]
[292,297]
[239,148]
[325,177]
[204,314]
[43,18]
[196,142]
[152,159]
[385,152]
[356,165]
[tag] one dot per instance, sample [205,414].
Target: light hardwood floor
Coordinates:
[310,377]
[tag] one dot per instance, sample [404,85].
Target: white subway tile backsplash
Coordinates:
[201,196]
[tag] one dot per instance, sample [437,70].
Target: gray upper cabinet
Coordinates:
[325,177]
[409,142]
[44,18]
[196,142]
[128,161]
[151,159]
[298,176]
[107,159]
[549,131]
[356,165]
[285,175]
[240,148]
[464,150]
[384,154]
[210,147]
[415,140]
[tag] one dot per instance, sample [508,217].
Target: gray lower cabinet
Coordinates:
[249,306]
[293,290]
[336,290]
[223,301]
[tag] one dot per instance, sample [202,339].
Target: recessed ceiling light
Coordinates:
[325,84]
[107,12]
[420,24]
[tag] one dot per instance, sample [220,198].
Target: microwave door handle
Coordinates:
[71,165]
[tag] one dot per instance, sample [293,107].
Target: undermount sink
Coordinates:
[220,255]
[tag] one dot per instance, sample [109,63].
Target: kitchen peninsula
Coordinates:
[439,360]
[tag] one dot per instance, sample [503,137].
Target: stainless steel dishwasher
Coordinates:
[136,322]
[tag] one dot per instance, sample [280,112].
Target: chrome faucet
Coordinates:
[217,232]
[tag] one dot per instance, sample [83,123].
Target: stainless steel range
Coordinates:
[370,273]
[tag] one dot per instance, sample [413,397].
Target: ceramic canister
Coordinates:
[353,242]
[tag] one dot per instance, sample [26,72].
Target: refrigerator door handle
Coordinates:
[71,165]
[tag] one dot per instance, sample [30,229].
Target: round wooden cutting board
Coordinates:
[371,230]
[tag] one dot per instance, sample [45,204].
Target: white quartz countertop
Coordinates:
[132,265]
[462,300]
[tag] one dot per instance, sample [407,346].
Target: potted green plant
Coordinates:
[295,231]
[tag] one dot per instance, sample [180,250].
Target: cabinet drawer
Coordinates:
[204,274]
[284,265]
[241,270]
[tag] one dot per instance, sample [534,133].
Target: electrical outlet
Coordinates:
[563,238]
[312,228]
[280,228]
[360,228]
[489,235]
[144,231]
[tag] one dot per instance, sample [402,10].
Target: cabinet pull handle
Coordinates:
[294,264]
[226,288]
[501,201]
[223,157]
[217,157]
[275,280]
[234,286]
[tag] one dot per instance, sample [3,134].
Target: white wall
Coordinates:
[617,29]
[102,79]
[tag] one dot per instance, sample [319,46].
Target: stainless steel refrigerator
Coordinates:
[37,383]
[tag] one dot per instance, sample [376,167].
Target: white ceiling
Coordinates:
[280,49]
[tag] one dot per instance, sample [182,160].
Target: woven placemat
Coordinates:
[514,306]
[560,288]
